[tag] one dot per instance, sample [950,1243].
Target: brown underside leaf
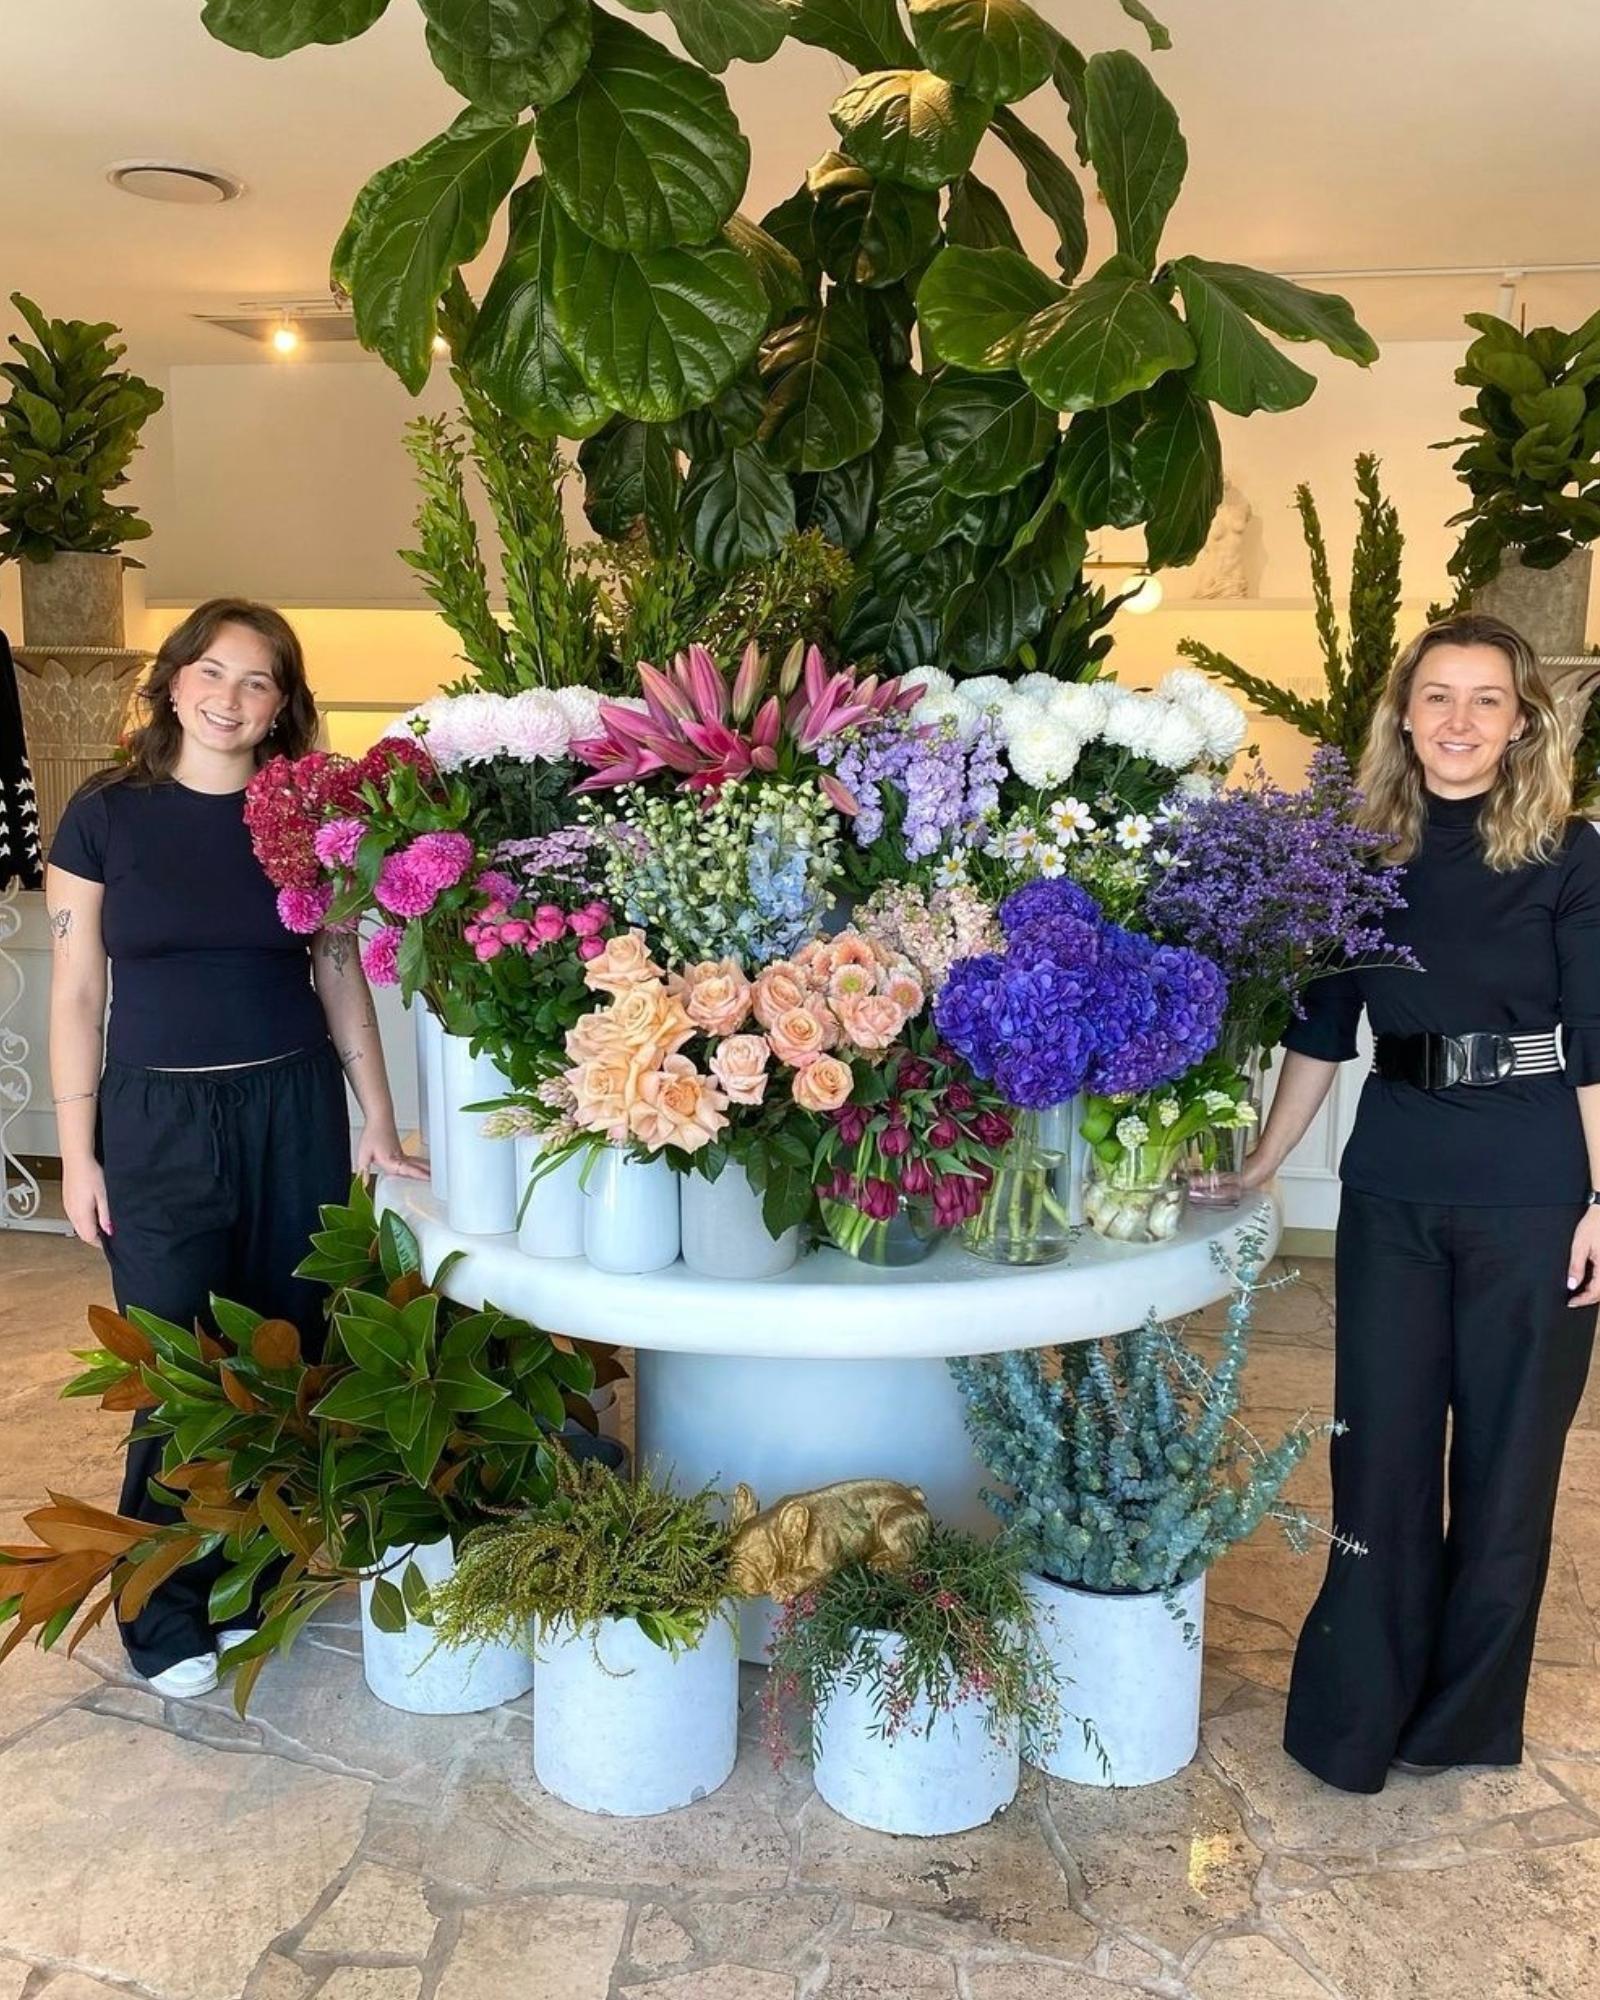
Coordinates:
[154,1571]
[128,1395]
[120,1336]
[410,1285]
[237,1393]
[276,1344]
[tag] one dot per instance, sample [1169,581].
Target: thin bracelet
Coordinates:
[75,1097]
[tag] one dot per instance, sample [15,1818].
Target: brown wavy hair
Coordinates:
[153,752]
[1530,802]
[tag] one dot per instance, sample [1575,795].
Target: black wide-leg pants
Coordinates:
[1421,1648]
[213,1180]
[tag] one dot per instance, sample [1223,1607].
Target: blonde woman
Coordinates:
[1468,1258]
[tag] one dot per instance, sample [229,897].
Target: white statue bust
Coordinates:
[1219,569]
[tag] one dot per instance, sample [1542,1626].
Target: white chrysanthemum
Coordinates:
[1223,721]
[933,680]
[951,871]
[1080,705]
[986,691]
[1036,687]
[1175,738]
[537,726]
[1043,753]
[1197,785]
[949,705]
[1127,718]
[581,706]
[465,729]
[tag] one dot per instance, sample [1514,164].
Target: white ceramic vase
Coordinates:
[418,1011]
[724,1235]
[630,1214]
[409,1671]
[551,1223]
[430,1085]
[622,1726]
[938,1773]
[482,1193]
[1129,1668]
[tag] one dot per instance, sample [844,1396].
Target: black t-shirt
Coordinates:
[203,971]
[1512,952]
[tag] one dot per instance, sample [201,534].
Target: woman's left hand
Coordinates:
[378,1151]
[1583,1265]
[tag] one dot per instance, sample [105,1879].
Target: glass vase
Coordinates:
[1215,1156]
[1139,1197]
[906,1237]
[1027,1218]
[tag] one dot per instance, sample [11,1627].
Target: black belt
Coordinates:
[1478,1060]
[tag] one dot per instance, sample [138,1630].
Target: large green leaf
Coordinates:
[736,509]
[1138,152]
[868,231]
[1289,310]
[278,27]
[910,125]
[998,48]
[630,474]
[1112,336]
[864,33]
[1178,460]
[644,153]
[976,218]
[839,503]
[1004,604]
[1238,366]
[515,353]
[895,609]
[985,432]
[656,333]
[718,32]
[824,389]
[505,55]
[1137,11]
[415,223]
[1095,472]
[1053,185]
[779,271]
[972,305]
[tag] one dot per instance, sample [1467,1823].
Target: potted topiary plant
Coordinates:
[68,428]
[913,1685]
[1127,1474]
[624,1588]
[1532,467]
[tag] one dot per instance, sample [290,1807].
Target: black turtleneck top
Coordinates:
[1512,952]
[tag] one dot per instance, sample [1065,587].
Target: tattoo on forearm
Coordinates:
[60,924]
[336,949]
[349,1056]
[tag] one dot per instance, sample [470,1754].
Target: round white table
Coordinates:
[833,1369]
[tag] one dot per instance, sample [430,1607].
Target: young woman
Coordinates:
[1468,1249]
[197,1152]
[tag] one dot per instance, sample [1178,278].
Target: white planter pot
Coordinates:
[408,1671]
[630,1214]
[419,1032]
[956,1774]
[482,1193]
[620,1726]
[552,1209]
[430,1079]
[723,1233]
[1124,1666]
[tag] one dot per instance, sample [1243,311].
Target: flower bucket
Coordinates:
[944,1778]
[552,1207]
[408,1670]
[630,1213]
[1037,1196]
[621,1726]
[1133,1200]
[724,1235]
[482,1196]
[1126,1668]
[430,1088]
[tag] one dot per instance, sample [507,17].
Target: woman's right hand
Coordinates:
[83,1196]
[1259,1168]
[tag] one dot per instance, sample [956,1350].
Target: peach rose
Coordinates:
[801,1034]
[740,1065]
[715,995]
[677,1106]
[649,1022]
[624,962]
[823,1085]
[594,1037]
[602,1090]
[779,988]
[870,1020]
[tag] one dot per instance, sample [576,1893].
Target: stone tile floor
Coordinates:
[329,1846]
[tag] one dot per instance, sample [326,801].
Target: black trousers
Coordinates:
[213,1180]
[1421,1648]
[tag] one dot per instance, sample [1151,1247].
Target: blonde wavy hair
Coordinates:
[1530,801]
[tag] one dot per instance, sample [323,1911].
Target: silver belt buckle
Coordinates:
[1485,1059]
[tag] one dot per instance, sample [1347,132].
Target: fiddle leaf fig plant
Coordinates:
[877,358]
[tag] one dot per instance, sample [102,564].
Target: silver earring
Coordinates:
[1406,728]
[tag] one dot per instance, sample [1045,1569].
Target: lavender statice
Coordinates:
[1279,888]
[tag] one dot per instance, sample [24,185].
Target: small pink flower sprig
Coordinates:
[496,929]
[694,726]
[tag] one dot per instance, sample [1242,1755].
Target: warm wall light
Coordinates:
[1144,593]
[440,344]
[285,339]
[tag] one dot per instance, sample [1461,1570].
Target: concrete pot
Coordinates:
[1549,607]
[409,1671]
[73,600]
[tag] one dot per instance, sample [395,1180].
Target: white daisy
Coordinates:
[1070,820]
[1020,842]
[1049,860]
[951,871]
[1133,832]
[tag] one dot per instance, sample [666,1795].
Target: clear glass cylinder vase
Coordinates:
[905,1237]
[1028,1215]
[1139,1197]
[1215,1156]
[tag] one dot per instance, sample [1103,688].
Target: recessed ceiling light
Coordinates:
[173,180]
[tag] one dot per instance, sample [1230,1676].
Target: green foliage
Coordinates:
[1532,457]
[1355,673]
[1124,1463]
[598,1547]
[449,559]
[965,1629]
[68,428]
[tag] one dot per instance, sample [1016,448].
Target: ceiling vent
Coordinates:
[174,181]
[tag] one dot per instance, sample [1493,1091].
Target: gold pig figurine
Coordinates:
[792,1545]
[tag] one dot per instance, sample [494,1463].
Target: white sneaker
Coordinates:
[236,1635]
[186,1678]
